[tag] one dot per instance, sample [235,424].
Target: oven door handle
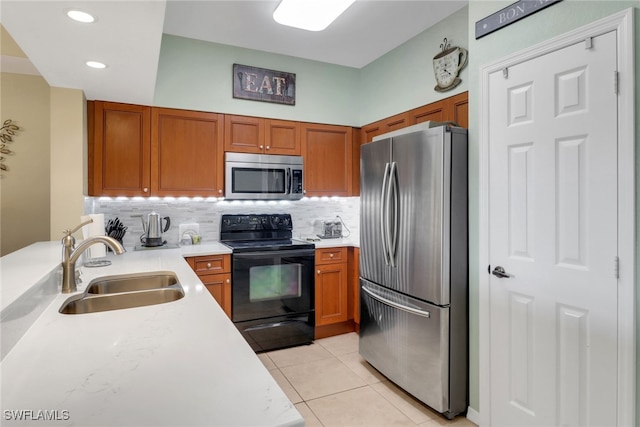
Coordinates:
[288,253]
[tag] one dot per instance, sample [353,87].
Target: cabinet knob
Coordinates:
[330,255]
[208,265]
[261,147]
[219,191]
[318,272]
[228,281]
[268,147]
[145,190]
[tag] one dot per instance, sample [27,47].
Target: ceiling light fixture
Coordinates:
[96,64]
[311,15]
[80,16]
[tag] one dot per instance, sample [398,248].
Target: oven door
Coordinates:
[267,284]
[273,297]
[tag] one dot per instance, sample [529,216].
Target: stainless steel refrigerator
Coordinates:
[414,262]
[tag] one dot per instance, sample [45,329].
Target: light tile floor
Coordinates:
[331,385]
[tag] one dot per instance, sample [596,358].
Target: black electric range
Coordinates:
[272,282]
[247,233]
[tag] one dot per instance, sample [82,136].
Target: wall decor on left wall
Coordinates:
[7,132]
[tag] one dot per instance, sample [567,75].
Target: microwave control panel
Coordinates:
[296,181]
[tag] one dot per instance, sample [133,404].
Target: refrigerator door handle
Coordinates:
[394,304]
[393,236]
[383,215]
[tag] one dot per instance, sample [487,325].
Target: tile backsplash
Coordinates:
[207,213]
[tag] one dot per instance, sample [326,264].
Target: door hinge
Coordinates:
[505,73]
[588,43]
[616,267]
[616,82]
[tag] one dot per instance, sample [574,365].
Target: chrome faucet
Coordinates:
[70,254]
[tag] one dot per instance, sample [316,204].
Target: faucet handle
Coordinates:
[68,233]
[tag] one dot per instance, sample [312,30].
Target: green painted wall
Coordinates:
[197,75]
[403,79]
[555,20]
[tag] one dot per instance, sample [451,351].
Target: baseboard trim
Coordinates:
[473,415]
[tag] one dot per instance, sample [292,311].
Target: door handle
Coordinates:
[499,272]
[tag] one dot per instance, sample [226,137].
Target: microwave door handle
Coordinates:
[289,179]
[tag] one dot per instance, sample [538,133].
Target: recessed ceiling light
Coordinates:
[311,15]
[96,64]
[80,16]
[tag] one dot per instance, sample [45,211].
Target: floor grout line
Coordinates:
[396,405]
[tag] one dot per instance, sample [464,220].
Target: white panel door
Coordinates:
[553,229]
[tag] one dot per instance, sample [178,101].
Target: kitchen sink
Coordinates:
[132,282]
[125,291]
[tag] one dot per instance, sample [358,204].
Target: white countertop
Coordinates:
[176,364]
[335,243]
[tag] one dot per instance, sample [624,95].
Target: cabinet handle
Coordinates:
[145,190]
[261,147]
[268,147]
[208,265]
[219,191]
[330,255]
[228,281]
[318,272]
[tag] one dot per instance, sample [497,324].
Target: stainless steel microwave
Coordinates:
[263,177]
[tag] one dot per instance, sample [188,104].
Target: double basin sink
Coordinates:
[125,291]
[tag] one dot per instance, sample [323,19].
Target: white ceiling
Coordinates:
[127,36]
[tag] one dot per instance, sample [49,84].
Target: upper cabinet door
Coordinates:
[435,112]
[119,149]
[327,152]
[186,153]
[243,134]
[458,109]
[282,137]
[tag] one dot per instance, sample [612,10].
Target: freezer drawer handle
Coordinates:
[393,304]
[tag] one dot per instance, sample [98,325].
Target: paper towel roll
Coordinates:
[96,228]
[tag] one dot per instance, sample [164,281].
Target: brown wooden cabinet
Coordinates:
[215,273]
[119,150]
[435,112]
[328,159]
[244,134]
[186,153]
[452,109]
[282,137]
[354,285]
[331,286]
[135,150]
[457,108]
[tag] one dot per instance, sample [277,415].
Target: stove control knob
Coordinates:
[275,219]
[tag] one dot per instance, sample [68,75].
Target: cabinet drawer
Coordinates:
[331,255]
[212,264]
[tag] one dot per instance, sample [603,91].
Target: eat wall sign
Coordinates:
[259,84]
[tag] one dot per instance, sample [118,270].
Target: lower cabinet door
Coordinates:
[219,286]
[331,294]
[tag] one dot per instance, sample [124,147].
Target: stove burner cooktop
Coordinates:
[245,233]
